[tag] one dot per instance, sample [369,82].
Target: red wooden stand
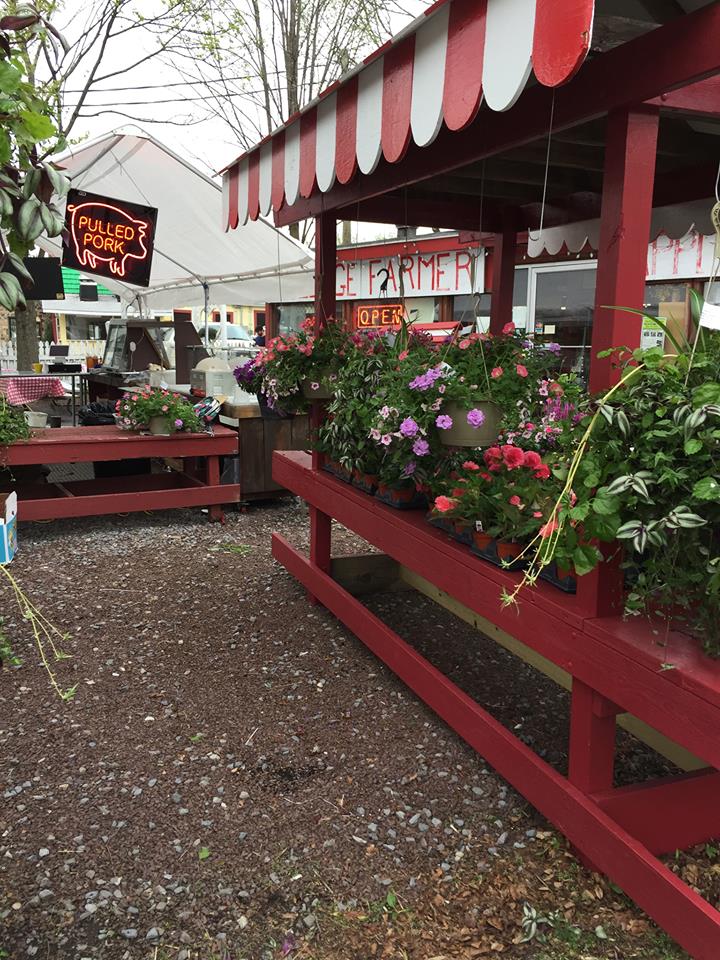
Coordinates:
[85,498]
[616,666]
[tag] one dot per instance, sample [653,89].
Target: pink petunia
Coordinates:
[464,344]
[521,370]
[496,372]
[515,501]
[444,504]
[509,328]
[549,529]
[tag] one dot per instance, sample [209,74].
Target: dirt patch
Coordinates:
[237,777]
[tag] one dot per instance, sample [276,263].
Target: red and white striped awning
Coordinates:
[440,69]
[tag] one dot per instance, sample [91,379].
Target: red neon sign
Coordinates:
[379,314]
[111,238]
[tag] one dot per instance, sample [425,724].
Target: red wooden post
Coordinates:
[630,150]
[503,273]
[212,478]
[629,177]
[325,261]
[592,739]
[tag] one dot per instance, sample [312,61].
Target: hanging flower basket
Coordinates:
[476,427]
[401,498]
[317,389]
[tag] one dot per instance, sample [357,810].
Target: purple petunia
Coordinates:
[178,423]
[553,348]
[409,469]
[425,380]
[476,418]
[408,428]
[444,422]
[421,448]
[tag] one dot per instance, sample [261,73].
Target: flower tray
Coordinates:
[442,523]
[491,553]
[567,582]
[463,533]
[337,470]
[401,499]
[364,482]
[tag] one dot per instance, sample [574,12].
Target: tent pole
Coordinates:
[206,290]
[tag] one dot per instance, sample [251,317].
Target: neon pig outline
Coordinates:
[88,257]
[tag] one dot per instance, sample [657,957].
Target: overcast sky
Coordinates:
[152,93]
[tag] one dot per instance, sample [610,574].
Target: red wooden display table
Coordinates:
[160,491]
[616,666]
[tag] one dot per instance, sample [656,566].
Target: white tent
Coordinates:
[193,256]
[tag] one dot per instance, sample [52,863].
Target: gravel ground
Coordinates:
[238,778]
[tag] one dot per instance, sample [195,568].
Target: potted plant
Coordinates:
[483,383]
[249,376]
[344,436]
[13,425]
[402,423]
[159,411]
[300,367]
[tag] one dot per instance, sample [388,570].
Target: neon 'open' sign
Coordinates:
[110,238]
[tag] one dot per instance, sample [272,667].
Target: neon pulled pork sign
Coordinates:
[111,238]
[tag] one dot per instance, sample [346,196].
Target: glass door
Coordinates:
[562,301]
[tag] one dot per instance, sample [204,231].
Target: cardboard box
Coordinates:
[8,526]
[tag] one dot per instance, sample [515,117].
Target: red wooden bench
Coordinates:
[158,491]
[615,665]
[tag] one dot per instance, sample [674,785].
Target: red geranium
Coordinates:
[532,459]
[513,457]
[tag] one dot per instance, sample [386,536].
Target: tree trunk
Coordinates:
[346,232]
[295,230]
[26,336]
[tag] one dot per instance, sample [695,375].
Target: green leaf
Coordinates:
[707,489]
[707,393]
[37,126]
[605,503]
[585,558]
[10,77]
[203,853]
[693,446]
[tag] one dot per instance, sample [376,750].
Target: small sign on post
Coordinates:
[8,527]
[110,238]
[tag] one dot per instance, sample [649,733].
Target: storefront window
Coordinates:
[291,316]
[469,306]
[564,303]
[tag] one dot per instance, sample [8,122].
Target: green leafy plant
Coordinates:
[135,410]
[13,425]
[28,180]
[310,354]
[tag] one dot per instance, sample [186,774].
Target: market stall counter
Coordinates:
[193,480]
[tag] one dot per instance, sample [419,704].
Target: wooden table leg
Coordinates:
[592,739]
[320,543]
[212,477]
[592,744]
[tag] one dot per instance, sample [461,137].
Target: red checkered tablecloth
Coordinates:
[21,390]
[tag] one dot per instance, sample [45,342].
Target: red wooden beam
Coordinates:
[672,813]
[701,99]
[624,231]
[679,909]
[449,213]
[503,278]
[680,53]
